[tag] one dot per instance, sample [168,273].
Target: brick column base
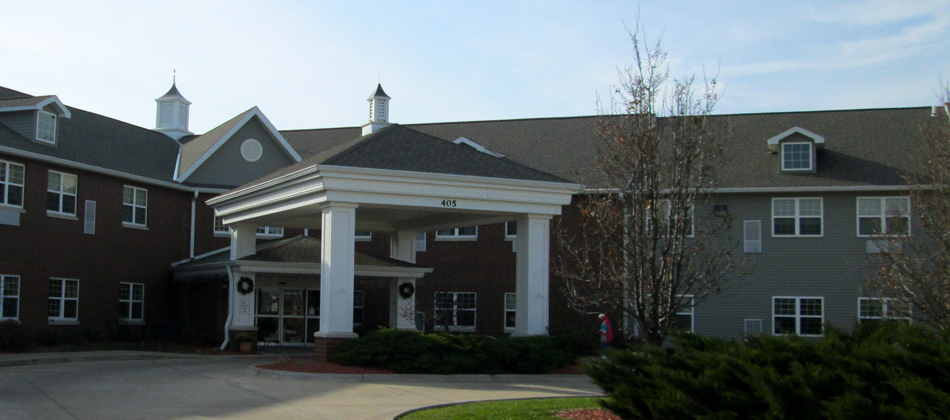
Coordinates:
[324,347]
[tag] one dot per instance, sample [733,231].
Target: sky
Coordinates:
[312,64]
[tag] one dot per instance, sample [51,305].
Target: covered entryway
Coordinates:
[277,289]
[402,182]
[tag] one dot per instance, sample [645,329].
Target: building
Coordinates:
[444,225]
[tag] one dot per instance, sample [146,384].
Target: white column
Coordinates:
[336,270]
[402,311]
[242,305]
[532,275]
[243,243]
[243,240]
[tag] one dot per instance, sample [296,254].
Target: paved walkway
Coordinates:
[142,385]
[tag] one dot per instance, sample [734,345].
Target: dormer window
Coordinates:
[796,149]
[797,156]
[46,127]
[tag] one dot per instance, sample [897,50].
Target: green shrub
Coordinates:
[14,336]
[887,371]
[414,352]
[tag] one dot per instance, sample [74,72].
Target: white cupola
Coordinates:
[378,111]
[171,116]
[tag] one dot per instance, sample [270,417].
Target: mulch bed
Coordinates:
[308,365]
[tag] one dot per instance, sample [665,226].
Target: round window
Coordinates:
[251,150]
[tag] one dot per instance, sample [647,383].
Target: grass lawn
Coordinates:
[544,408]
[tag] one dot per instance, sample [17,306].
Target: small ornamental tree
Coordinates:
[916,271]
[648,245]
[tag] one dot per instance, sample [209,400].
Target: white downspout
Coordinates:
[191,253]
[227,324]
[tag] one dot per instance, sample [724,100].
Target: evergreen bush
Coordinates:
[414,352]
[884,371]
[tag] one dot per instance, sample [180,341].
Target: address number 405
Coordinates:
[449,203]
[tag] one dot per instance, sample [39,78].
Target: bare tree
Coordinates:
[648,244]
[916,271]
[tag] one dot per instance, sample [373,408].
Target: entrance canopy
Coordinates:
[401,181]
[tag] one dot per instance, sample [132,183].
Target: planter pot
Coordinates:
[246,346]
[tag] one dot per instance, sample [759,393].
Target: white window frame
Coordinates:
[455,312]
[666,207]
[362,238]
[270,231]
[6,183]
[134,205]
[510,306]
[882,215]
[359,302]
[219,221]
[885,310]
[798,216]
[61,192]
[811,156]
[9,291]
[129,301]
[41,129]
[798,315]
[511,226]
[691,312]
[261,231]
[456,235]
[62,299]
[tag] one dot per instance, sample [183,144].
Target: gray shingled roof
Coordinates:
[6,93]
[398,147]
[298,249]
[27,101]
[100,141]
[193,147]
[863,147]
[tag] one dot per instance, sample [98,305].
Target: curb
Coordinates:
[96,358]
[408,377]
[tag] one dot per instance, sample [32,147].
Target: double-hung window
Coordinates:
[270,231]
[883,216]
[63,299]
[359,299]
[61,193]
[131,301]
[663,213]
[11,183]
[796,156]
[797,216]
[873,309]
[511,306]
[10,302]
[46,127]
[219,226]
[470,232]
[455,311]
[798,315]
[511,230]
[134,205]
[684,316]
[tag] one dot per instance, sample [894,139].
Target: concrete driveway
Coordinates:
[223,387]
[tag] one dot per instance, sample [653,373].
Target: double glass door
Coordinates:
[287,315]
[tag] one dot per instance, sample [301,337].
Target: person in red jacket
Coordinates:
[606,333]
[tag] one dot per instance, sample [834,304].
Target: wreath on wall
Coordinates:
[245,285]
[406,290]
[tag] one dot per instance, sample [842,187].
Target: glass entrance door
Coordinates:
[286,315]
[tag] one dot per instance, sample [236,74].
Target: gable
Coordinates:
[227,166]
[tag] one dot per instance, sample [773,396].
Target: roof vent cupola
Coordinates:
[171,116]
[378,111]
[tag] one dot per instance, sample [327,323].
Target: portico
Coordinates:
[401,182]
